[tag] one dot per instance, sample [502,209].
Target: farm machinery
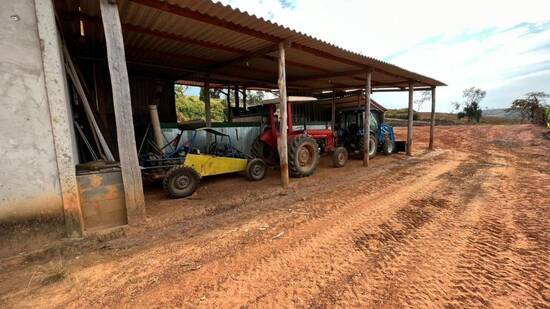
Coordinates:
[351,131]
[304,145]
[181,167]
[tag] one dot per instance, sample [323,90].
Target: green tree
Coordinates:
[192,108]
[532,107]
[471,104]
[254,97]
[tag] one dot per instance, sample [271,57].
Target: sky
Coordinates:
[502,47]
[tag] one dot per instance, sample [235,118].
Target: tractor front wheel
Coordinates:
[339,157]
[389,147]
[181,181]
[372,147]
[303,156]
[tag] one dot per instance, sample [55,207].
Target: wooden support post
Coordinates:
[228,103]
[432,122]
[333,113]
[237,98]
[366,122]
[131,173]
[207,113]
[244,98]
[282,139]
[410,122]
[60,117]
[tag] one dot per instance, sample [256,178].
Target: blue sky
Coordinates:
[502,47]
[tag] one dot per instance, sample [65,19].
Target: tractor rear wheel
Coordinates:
[372,148]
[339,157]
[303,156]
[256,169]
[181,181]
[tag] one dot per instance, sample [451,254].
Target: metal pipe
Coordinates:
[155,123]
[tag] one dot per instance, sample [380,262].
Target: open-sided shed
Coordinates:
[208,43]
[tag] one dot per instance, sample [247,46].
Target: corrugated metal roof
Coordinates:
[189,38]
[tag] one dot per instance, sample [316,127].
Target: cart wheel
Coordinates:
[256,169]
[339,157]
[181,181]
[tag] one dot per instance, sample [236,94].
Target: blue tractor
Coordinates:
[351,132]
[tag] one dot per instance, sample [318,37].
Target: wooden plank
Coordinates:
[432,122]
[366,121]
[401,90]
[282,139]
[131,174]
[60,118]
[410,122]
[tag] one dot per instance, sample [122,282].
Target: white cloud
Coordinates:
[463,43]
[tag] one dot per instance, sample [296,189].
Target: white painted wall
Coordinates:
[29,179]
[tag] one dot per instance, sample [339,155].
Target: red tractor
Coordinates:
[304,146]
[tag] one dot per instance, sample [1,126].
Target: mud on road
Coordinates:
[466,225]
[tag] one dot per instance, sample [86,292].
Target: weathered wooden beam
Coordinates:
[282,138]
[401,90]
[131,173]
[333,112]
[61,120]
[326,75]
[432,121]
[410,122]
[76,16]
[244,58]
[366,121]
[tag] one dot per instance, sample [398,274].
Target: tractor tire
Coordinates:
[181,181]
[256,169]
[339,157]
[373,146]
[261,150]
[389,147]
[303,156]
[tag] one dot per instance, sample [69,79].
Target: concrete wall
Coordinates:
[29,179]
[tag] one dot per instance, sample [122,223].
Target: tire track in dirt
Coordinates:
[289,269]
[406,255]
[504,264]
[133,271]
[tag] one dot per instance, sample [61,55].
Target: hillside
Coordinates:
[398,117]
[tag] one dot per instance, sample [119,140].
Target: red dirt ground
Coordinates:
[466,225]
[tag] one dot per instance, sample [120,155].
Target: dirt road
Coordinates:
[466,225]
